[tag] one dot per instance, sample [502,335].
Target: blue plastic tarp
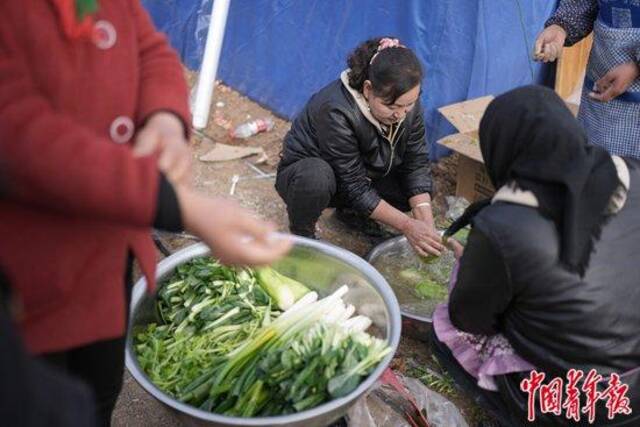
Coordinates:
[278,52]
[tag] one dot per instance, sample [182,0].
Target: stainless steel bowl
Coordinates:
[318,265]
[415,324]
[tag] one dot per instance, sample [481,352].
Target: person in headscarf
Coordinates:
[549,277]
[610,103]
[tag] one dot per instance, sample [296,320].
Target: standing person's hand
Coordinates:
[164,134]
[233,234]
[549,44]
[615,82]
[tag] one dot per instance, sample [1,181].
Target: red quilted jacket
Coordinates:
[77,199]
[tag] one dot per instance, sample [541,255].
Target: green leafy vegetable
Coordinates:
[207,310]
[313,352]
[284,290]
[429,289]
[223,348]
[422,283]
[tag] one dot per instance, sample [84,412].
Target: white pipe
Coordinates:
[209,68]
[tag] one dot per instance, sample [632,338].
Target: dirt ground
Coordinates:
[135,407]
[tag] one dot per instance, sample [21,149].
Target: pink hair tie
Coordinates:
[385,43]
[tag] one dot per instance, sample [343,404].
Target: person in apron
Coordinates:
[610,104]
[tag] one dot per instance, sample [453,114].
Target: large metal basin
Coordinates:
[318,265]
[393,255]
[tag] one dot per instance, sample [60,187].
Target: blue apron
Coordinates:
[614,125]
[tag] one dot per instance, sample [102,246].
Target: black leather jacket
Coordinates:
[333,128]
[510,281]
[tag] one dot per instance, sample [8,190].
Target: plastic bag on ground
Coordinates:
[385,407]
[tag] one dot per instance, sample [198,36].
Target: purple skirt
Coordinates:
[482,356]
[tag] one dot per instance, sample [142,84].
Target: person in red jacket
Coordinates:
[93,153]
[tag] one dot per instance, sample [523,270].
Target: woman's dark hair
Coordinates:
[393,72]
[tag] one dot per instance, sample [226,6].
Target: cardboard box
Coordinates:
[472,181]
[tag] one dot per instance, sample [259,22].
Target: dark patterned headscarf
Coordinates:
[529,136]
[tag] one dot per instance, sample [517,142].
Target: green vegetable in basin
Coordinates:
[206,310]
[429,259]
[462,235]
[411,275]
[221,347]
[427,279]
[429,289]
[284,290]
[313,352]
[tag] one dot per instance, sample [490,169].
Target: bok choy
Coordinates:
[224,345]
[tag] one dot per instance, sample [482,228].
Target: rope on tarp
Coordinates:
[526,40]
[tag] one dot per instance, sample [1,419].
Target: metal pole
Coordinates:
[209,68]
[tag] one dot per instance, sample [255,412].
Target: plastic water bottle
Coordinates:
[253,127]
